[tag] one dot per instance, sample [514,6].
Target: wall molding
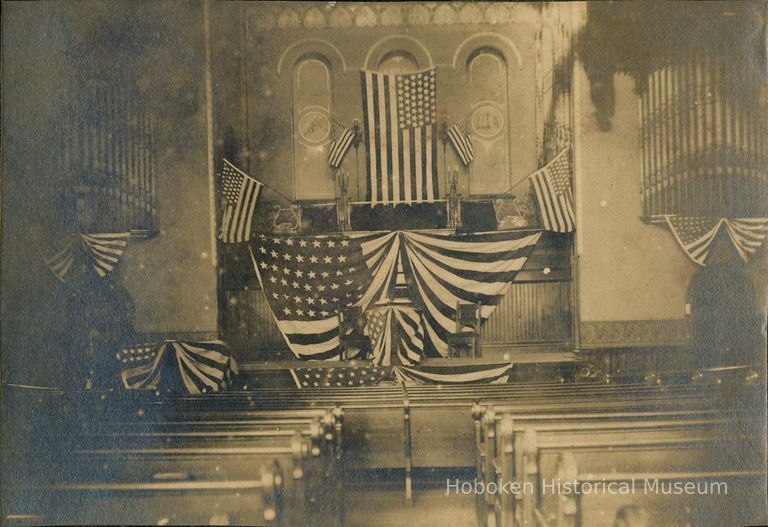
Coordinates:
[633,333]
[293,16]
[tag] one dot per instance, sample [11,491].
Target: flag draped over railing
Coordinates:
[307,281]
[400,134]
[695,234]
[450,374]
[240,192]
[552,189]
[200,367]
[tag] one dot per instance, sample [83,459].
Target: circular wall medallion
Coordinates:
[314,126]
[487,122]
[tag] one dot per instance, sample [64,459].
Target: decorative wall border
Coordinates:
[343,15]
[633,333]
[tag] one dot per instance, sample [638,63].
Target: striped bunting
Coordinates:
[60,261]
[461,140]
[747,234]
[464,374]
[399,327]
[104,250]
[240,192]
[695,234]
[201,367]
[341,139]
[552,189]
[400,134]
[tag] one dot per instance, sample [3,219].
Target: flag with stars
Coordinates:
[552,188]
[695,234]
[397,334]
[240,192]
[460,138]
[345,377]
[341,139]
[400,115]
[307,281]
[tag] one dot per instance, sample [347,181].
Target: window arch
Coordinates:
[312,108]
[487,79]
[398,61]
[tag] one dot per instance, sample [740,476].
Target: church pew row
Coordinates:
[638,453]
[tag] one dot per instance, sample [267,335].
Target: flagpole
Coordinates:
[209,130]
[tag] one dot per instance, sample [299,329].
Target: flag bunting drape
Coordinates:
[400,134]
[336,377]
[102,251]
[200,366]
[695,234]
[397,333]
[307,281]
[462,374]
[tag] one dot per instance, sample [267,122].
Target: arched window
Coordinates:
[312,105]
[398,61]
[489,102]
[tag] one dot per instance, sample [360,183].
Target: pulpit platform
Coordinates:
[527,366]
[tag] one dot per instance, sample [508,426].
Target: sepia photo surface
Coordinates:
[384,263]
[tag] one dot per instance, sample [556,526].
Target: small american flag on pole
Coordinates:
[341,139]
[240,192]
[552,188]
[461,140]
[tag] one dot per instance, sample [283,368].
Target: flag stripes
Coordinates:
[396,331]
[201,366]
[552,189]
[464,374]
[240,192]
[695,234]
[458,134]
[341,139]
[401,153]
[105,250]
[60,262]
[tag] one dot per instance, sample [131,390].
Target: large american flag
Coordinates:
[341,139]
[240,193]
[552,188]
[400,115]
[307,280]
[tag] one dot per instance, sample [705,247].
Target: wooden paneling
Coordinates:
[531,312]
[248,323]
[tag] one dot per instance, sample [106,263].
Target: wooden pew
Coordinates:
[537,450]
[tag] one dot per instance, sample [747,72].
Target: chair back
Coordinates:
[467,317]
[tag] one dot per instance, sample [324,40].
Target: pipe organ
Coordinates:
[106,160]
[704,140]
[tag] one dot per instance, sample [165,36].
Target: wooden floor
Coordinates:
[379,495]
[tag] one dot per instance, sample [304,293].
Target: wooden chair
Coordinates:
[353,342]
[467,335]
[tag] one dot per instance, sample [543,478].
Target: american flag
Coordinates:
[336,377]
[199,367]
[240,192]
[461,140]
[400,115]
[397,334]
[552,187]
[105,250]
[307,280]
[695,234]
[341,139]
